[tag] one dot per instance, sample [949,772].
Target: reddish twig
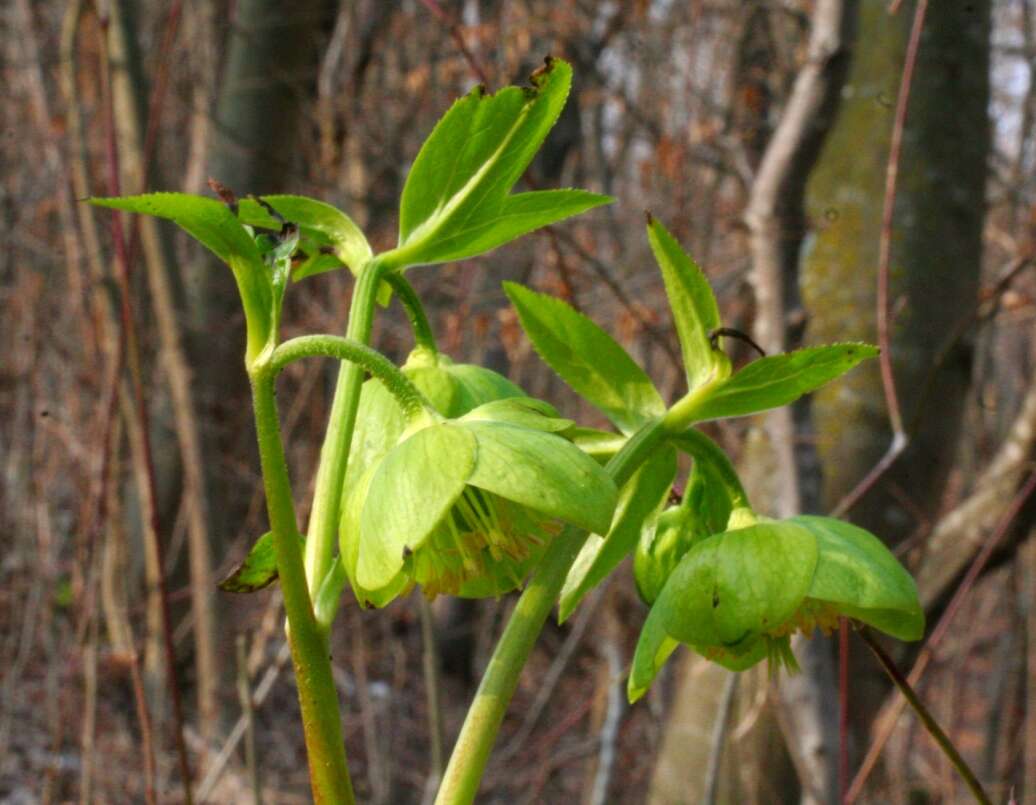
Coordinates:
[154,114]
[458,37]
[888,381]
[132,354]
[924,657]
[940,737]
[843,708]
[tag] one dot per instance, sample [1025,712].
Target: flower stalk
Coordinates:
[318,698]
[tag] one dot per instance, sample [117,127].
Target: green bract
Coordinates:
[460,506]
[736,597]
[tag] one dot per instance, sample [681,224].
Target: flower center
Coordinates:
[812,614]
[482,534]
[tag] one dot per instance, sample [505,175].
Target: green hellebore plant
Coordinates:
[736,597]
[461,506]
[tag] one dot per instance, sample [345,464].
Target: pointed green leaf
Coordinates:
[412,489]
[643,496]
[730,588]
[654,646]
[455,203]
[777,380]
[858,572]
[210,222]
[325,224]
[542,471]
[695,312]
[587,358]
[258,570]
[517,215]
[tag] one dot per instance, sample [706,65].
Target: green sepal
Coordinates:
[654,647]
[542,471]
[695,311]
[526,412]
[412,489]
[587,359]
[732,587]
[639,499]
[777,380]
[857,572]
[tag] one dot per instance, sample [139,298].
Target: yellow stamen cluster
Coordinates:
[481,529]
[811,615]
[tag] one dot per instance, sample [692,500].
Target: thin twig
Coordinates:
[718,741]
[892,712]
[147,741]
[244,695]
[458,37]
[940,737]
[130,337]
[262,690]
[433,692]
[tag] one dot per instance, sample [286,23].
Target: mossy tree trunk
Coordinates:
[935,265]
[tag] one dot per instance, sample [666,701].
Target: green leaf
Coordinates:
[777,380]
[645,493]
[859,573]
[543,472]
[732,587]
[518,215]
[412,489]
[211,223]
[323,223]
[587,358]
[695,312]
[654,646]
[455,203]
[258,570]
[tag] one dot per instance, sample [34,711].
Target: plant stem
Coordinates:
[701,448]
[423,335]
[940,737]
[471,752]
[332,346]
[328,769]
[334,455]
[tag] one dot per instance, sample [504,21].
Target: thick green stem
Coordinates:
[334,455]
[475,742]
[409,398]
[328,769]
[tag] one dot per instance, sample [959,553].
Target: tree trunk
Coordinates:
[936,260]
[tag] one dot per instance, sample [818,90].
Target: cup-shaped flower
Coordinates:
[453,389]
[461,506]
[737,597]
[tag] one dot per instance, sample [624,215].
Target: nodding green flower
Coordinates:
[465,506]
[453,389]
[737,597]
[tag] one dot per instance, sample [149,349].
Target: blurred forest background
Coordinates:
[761,133]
